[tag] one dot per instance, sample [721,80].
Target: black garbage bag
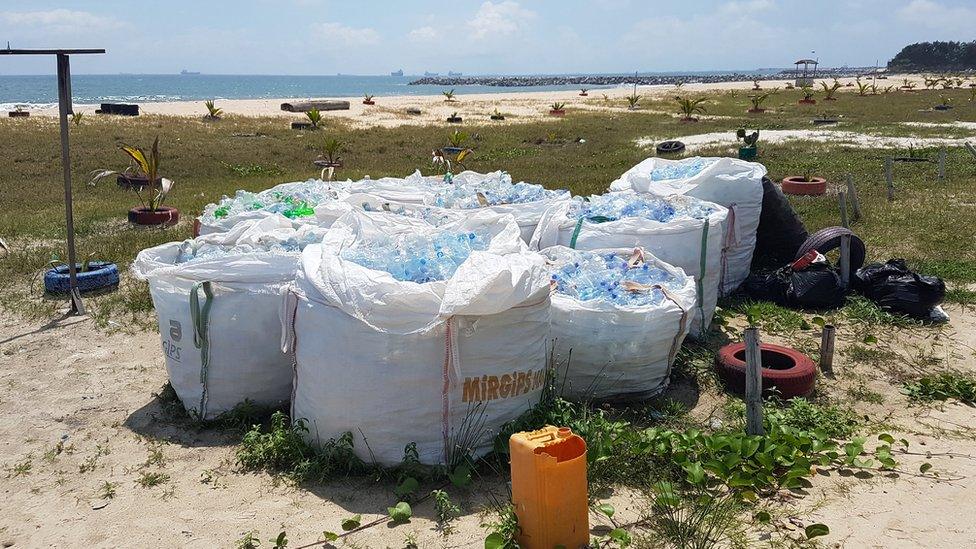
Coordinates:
[815,287]
[895,288]
[780,233]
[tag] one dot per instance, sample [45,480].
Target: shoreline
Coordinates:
[391,111]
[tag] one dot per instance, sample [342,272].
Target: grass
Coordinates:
[148,479]
[928,222]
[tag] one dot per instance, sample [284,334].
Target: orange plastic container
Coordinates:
[549,488]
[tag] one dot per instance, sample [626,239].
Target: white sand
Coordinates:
[390,111]
[835,137]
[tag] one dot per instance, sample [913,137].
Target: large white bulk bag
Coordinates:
[442,364]
[733,183]
[218,316]
[462,193]
[692,245]
[604,350]
[314,194]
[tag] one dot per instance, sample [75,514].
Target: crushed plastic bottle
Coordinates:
[434,216]
[496,188]
[680,170]
[614,206]
[292,241]
[419,258]
[293,200]
[610,278]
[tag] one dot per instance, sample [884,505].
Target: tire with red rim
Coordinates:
[787,370]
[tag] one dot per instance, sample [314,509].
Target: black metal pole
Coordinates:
[64,108]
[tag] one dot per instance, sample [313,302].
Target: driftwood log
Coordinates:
[322,105]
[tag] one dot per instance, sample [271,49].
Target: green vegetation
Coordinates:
[315,117]
[213,112]
[941,387]
[145,166]
[935,56]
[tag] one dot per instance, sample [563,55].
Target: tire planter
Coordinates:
[454,119]
[451,150]
[828,239]
[688,120]
[161,216]
[101,275]
[942,107]
[747,153]
[807,102]
[18,114]
[796,184]
[497,117]
[756,111]
[369,102]
[788,371]
[670,147]
[560,112]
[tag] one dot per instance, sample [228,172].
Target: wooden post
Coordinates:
[842,203]
[845,260]
[942,163]
[754,424]
[971,149]
[855,202]
[889,178]
[827,350]
[64,109]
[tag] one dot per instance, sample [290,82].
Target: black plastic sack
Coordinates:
[894,288]
[816,287]
[780,233]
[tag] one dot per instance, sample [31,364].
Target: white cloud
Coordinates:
[423,34]
[937,16]
[341,35]
[499,19]
[60,21]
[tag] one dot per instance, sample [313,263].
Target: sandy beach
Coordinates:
[518,106]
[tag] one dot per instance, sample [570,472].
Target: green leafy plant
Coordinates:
[862,88]
[444,508]
[755,84]
[248,541]
[331,149]
[76,117]
[504,531]
[457,138]
[908,84]
[688,107]
[213,113]
[148,479]
[830,90]
[808,92]
[143,174]
[757,101]
[282,450]
[280,541]
[400,512]
[557,106]
[315,117]
[367,98]
[448,95]
[748,139]
[632,101]
[944,386]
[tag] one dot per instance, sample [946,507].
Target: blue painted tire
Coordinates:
[99,276]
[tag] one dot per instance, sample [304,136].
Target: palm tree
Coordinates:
[689,107]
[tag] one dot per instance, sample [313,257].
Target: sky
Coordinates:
[474,37]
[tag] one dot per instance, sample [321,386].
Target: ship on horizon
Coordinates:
[397,73]
[185,72]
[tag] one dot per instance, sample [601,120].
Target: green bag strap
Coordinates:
[200,317]
[701,275]
[579,227]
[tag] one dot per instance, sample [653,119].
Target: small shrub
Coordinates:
[941,387]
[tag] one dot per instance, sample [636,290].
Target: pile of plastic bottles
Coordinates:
[680,170]
[293,200]
[417,257]
[201,250]
[497,188]
[435,217]
[611,278]
[614,206]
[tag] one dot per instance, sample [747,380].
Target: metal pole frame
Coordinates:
[64,109]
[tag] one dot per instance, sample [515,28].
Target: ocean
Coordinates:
[41,90]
